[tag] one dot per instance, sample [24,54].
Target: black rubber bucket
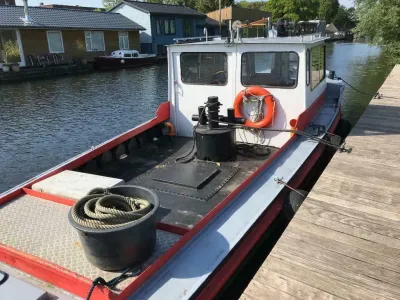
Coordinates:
[125,246]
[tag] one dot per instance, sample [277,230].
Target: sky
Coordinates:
[98,3]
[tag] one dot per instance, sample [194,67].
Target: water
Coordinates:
[45,122]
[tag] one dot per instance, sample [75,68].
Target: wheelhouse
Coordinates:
[291,69]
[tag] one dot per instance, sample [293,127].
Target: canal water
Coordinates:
[45,122]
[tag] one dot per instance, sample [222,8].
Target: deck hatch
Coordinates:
[193,176]
[198,180]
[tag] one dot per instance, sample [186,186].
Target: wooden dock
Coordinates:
[344,242]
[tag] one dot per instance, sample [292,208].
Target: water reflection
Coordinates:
[43,123]
[364,67]
[46,122]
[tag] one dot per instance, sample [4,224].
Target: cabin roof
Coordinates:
[307,39]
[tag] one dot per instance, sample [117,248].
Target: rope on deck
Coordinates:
[102,210]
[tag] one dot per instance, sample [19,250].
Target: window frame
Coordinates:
[123,34]
[204,84]
[271,86]
[324,68]
[62,41]
[161,22]
[308,67]
[186,21]
[91,41]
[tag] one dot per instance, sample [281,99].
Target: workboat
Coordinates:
[246,122]
[125,59]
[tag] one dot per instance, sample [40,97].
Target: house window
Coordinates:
[318,65]
[55,41]
[94,41]
[204,68]
[123,40]
[165,26]
[188,28]
[275,69]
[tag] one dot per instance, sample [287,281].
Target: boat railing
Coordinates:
[196,39]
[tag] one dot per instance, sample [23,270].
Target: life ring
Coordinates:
[268,100]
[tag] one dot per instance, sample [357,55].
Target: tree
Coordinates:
[294,10]
[345,19]
[378,22]
[108,4]
[206,6]
[328,10]
[258,5]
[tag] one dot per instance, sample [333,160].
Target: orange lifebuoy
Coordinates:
[268,100]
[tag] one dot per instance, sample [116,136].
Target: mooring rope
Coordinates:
[101,209]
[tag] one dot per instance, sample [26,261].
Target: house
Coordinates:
[76,7]
[163,23]
[233,13]
[68,33]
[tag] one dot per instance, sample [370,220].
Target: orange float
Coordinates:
[268,100]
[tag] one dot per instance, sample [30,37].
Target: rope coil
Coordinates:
[102,210]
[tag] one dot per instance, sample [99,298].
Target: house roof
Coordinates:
[56,18]
[164,9]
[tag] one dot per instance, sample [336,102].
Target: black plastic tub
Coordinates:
[125,246]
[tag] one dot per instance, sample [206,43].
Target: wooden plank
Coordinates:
[293,287]
[344,242]
[311,210]
[332,263]
[345,249]
[313,278]
[258,291]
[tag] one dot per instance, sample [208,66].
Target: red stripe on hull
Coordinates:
[52,273]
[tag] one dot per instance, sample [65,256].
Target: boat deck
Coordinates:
[344,242]
[182,203]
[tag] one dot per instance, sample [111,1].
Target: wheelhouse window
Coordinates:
[318,65]
[165,26]
[123,40]
[274,69]
[55,41]
[94,41]
[204,68]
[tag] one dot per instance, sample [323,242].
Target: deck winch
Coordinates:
[215,142]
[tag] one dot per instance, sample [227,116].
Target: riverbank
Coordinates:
[35,73]
[342,243]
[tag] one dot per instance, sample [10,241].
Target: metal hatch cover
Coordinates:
[187,175]
[198,180]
